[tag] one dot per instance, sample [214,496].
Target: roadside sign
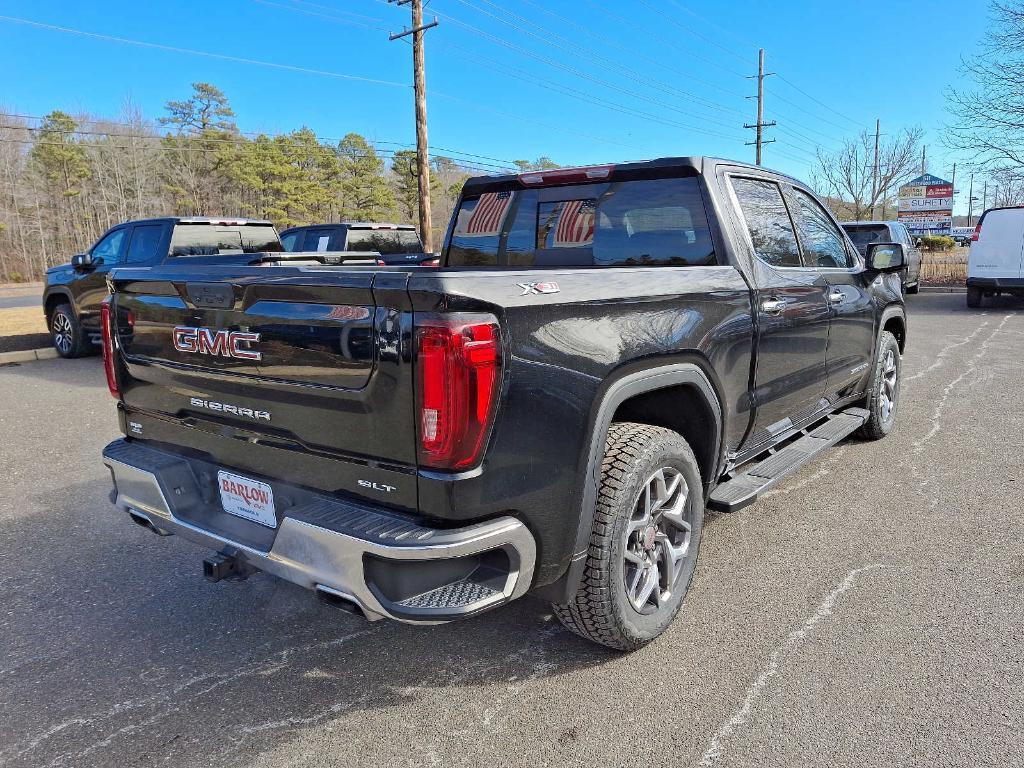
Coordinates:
[926,205]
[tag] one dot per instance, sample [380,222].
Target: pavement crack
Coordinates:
[742,714]
[940,406]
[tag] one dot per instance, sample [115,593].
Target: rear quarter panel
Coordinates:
[560,350]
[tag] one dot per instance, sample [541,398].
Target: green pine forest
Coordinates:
[65,179]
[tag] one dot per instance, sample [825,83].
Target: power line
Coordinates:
[565,90]
[566,68]
[254,134]
[193,52]
[575,49]
[632,51]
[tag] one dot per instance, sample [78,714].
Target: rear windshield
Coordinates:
[218,239]
[659,222]
[863,235]
[384,241]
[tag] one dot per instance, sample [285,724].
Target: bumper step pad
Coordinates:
[743,489]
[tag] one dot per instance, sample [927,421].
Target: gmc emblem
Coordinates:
[207,341]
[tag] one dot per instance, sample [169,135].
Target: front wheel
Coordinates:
[644,541]
[884,392]
[66,333]
[973,297]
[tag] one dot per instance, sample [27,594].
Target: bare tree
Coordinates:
[848,175]
[988,117]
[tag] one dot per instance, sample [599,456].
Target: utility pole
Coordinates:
[970,202]
[923,166]
[420,88]
[760,125]
[984,197]
[874,171]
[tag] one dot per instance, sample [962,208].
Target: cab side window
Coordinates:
[110,247]
[145,241]
[768,222]
[823,243]
[290,240]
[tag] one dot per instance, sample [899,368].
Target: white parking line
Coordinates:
[771,669]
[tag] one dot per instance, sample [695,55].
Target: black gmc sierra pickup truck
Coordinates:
[604,353]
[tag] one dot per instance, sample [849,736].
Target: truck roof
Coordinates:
[228,220]
[361,224]
[599,172]
[872,222]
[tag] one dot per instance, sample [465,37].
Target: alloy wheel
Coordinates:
[62,332]
[887,388]
[657,540]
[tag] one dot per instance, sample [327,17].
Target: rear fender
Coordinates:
[619,391]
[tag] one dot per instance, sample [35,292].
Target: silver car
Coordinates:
[863,233]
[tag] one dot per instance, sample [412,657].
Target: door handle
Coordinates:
[773,306]
[836,297]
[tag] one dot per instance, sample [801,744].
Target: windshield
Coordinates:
[217,239]
[384,241]
[863,236]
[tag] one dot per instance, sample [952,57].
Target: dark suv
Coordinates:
[74,291]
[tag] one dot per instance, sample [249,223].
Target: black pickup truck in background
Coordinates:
[73,292]
[604,353]
[396,243]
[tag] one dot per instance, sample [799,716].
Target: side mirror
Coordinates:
[82,261]
[885,257]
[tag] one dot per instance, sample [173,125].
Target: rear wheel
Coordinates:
[644,541]
[915,288]
[973,297]
[66,333]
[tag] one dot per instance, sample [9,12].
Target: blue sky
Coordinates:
[582,81]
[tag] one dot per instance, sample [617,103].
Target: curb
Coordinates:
[28,355]
[943,289]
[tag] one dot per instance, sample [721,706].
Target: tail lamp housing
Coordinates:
[977,233]
[458,378]
[107,330]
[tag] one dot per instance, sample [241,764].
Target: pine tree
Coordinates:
[363,191]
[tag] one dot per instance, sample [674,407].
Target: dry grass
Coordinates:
[944,267]
[22,320]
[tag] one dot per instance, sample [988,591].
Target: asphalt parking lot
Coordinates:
[867,612]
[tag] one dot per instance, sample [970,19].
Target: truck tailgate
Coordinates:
[307,360]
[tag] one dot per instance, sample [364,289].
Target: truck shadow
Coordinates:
[140,653]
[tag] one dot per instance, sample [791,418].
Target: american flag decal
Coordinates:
[575,224]
[489,215]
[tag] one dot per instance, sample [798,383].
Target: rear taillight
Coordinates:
[458,366]
[977,233]
[107,327]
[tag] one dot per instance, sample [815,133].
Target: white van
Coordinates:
[996,263]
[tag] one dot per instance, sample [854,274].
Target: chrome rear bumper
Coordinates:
[387,565]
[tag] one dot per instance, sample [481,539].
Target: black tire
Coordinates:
[602,610]
[974,296]
[915,288]
[66,333]
[882,404]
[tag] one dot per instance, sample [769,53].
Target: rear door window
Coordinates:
[145,241]
[383,241]
[324,239]
[768,222]
[823,244]
[657,222]
[221,239]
